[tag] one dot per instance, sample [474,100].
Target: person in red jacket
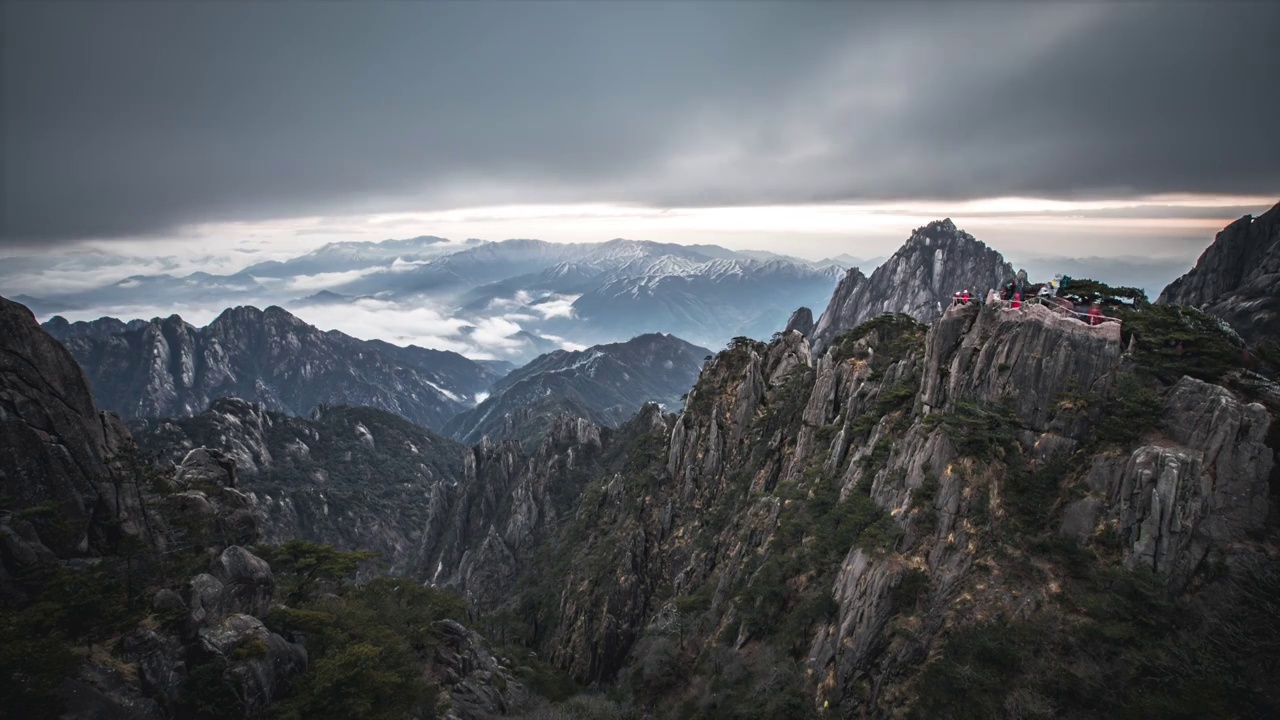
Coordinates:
[1017,301]
[1095,315]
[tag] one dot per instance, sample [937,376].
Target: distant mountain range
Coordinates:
[169,368]
[542,295]
[605,384]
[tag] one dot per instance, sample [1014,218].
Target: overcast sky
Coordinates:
[219,122]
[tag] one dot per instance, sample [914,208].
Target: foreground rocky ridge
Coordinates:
[128,592]
[168,368]
[856,518]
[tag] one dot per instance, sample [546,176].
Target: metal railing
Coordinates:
[1052,304]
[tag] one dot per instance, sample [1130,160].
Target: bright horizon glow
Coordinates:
[814,231]
[1170,229]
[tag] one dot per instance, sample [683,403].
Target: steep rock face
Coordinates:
[356,478]
[168,368]
[1179,504]
[481,528]
[800,321]
[918,280]
[1237,278]
[479,685]
[863,506]
[60,459]
[1032,358]
[605,384]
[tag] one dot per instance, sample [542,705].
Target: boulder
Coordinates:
[259,662]
[479,685]
[248,585]
[161,669]
[207,467]
[203,597]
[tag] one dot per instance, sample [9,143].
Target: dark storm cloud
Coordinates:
[127,119]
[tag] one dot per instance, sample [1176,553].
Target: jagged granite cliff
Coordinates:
[987,516]
[128,592]
[355,478]
[61,460]
[79,510]
[1237,278]
[800,321]
[918,280]
[605,384]
[168,368]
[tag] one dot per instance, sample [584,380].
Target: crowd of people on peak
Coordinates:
[1018,289]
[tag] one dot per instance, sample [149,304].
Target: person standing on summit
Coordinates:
[1095,314]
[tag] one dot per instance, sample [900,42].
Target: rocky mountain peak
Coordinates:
[1237,278]
[801,321]
[943,229]
[918,280]
[56,448]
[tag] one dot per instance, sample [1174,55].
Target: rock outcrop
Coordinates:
[482,530]
[355,478]
[168,368]
[1237,278]
[1030,358]
[918,280]
[1189,500]
[801,321]
[61,460]
[479,685]
[215,623]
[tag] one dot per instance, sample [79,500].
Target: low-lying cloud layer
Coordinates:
[138,120]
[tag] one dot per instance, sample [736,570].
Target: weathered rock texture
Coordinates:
[800,321]
[355,478]
[75,500]
[1237,278]
[919,280]
[1190,499]
[684,530]
[60,458]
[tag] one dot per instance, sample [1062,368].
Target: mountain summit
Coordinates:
[1237,278]
[918,280]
